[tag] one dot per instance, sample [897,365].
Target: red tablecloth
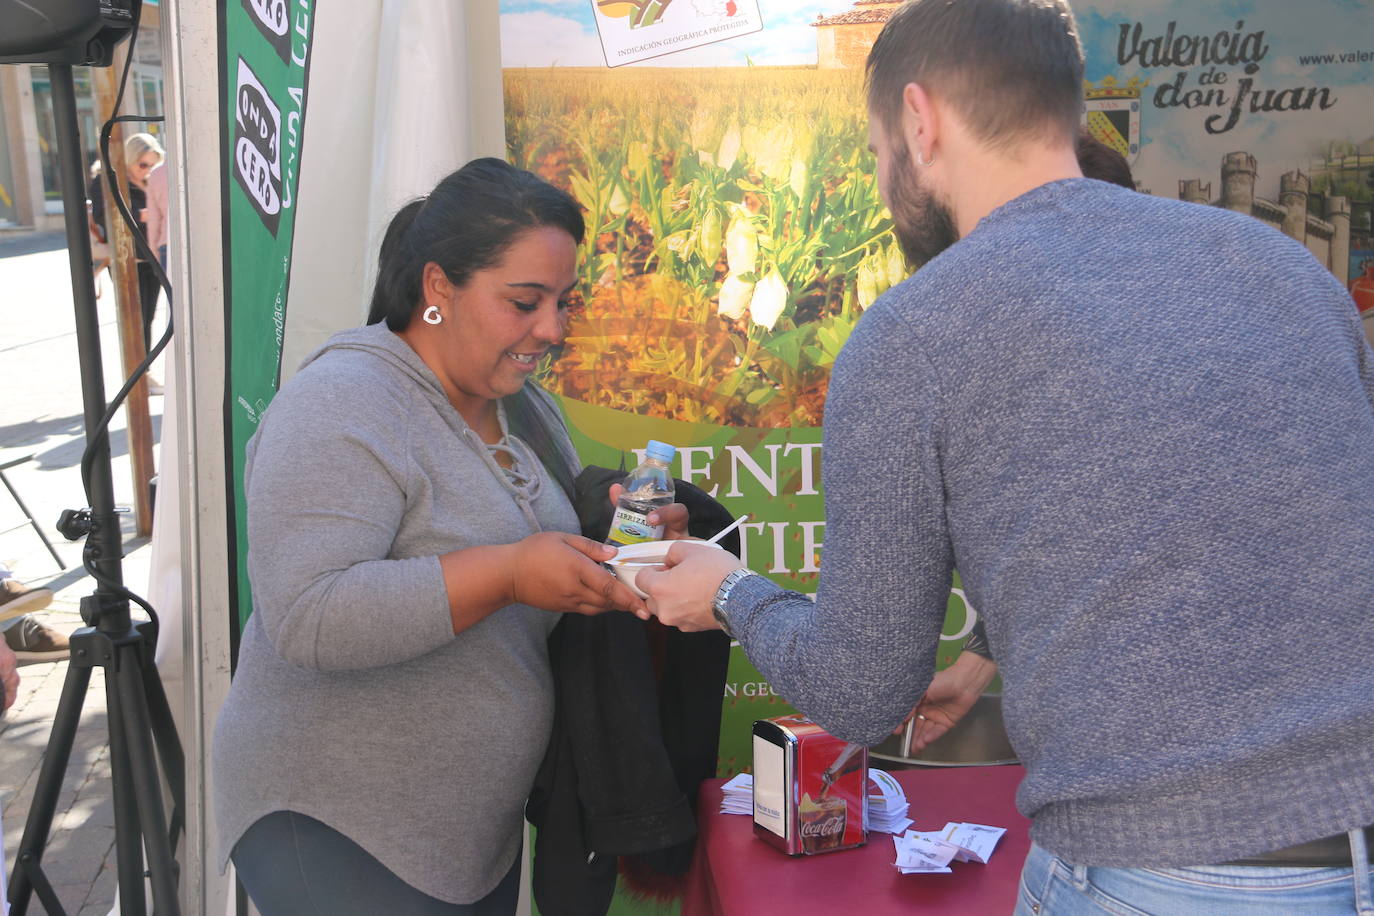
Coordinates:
[737,874]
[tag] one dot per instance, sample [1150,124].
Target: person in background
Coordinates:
[1098,160]
[142,153]
[100,244]
[411,546]
[25,637]
[155,216]
[1145,428]
[954,690]
[9,677]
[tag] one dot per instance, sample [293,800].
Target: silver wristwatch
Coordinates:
[723,595]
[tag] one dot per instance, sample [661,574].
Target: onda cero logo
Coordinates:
[257,146]
[272,20]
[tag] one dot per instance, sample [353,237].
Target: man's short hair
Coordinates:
[1012,69]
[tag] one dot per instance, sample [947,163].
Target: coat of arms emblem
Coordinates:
[1111,113]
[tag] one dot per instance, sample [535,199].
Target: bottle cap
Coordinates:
[662,451]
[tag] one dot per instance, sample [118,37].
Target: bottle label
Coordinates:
[630,527]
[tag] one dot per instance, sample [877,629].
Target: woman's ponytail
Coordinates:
[398,276]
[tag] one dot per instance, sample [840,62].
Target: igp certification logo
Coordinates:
[635,30]
[639,12]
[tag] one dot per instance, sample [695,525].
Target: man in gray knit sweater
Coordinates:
[1142,431]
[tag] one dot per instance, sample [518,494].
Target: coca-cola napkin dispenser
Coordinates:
[809,787]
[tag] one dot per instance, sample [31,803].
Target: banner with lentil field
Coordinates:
[736,234]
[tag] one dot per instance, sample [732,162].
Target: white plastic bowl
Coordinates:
[631,558]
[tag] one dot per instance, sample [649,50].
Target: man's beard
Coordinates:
[923,224]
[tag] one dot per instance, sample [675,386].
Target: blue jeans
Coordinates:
[1052,887]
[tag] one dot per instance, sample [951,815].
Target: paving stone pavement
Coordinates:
[79,858]
[41,415]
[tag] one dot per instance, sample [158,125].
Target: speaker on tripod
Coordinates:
[63,34]
[72,32]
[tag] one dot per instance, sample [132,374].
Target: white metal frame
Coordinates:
[190,42]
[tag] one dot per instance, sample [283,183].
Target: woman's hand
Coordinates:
[673,518]
[563,572]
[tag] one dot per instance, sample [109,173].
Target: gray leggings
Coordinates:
[293,865]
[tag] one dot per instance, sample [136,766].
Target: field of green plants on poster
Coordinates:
[735,233]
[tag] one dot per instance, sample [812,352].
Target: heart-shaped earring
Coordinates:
[432,316]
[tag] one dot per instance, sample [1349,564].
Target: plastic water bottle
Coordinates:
[649,487]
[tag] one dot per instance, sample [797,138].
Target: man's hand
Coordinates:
[680,595]
[9,677]
[673,517]
[950,695]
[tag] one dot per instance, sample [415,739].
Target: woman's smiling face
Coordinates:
[496,327]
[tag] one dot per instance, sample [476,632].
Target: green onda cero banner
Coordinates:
[264,68]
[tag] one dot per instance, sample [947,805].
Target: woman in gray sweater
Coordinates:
[393,696]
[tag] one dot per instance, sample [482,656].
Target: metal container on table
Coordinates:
[979,739]
[810,787]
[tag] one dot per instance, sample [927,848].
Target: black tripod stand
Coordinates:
[139,717]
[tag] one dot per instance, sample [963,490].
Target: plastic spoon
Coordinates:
[728,528]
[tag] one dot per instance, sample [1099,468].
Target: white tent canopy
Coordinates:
[400,92]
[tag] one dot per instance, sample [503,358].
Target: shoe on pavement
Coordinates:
[17,598]
[34,642]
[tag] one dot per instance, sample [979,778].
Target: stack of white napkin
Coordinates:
[886,809]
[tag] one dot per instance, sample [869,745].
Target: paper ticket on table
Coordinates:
[974,841]
[888,786]
[887,810]
[739,782]
[894,826]
[926,871]
[738,797]
[923,853]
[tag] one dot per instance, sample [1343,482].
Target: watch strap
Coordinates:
[723,595]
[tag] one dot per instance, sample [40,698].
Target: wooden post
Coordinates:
[129,311]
